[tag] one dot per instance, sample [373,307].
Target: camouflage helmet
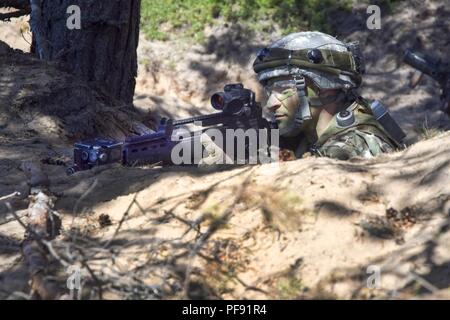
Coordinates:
[326,61]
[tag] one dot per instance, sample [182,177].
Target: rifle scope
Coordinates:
[233,100]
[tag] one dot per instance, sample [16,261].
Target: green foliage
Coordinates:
[388,5]
[426,132]
[289,287]
[189,17]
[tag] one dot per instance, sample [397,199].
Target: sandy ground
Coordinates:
[311,228]
[307,228]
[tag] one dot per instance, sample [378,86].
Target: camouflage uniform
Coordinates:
[315,63]
[366,138]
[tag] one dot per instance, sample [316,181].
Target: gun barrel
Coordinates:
[425,64]
[207,117]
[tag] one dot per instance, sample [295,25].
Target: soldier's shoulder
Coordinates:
[354,132]
[355,142]
[356,115]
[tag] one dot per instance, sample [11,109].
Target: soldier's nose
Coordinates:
[273,107]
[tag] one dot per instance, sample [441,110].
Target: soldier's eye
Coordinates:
[286,94]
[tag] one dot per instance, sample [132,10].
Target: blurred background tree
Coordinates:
[102,51]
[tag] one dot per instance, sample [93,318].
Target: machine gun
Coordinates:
[238,110]
[434,68]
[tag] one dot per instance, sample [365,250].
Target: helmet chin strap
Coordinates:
[303,111]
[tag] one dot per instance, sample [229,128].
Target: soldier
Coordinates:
[311,79]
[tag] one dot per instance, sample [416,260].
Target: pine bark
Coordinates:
[102,52]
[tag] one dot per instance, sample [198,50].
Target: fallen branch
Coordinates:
[10,196]
[22,6]
[41,228]
[14,14]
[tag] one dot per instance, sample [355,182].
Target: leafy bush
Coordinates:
[189,17]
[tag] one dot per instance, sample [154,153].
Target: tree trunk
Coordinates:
[102,52]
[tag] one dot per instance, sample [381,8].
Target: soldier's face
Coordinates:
[282,102]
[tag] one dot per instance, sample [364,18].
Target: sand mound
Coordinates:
[306,228]
[42,99]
